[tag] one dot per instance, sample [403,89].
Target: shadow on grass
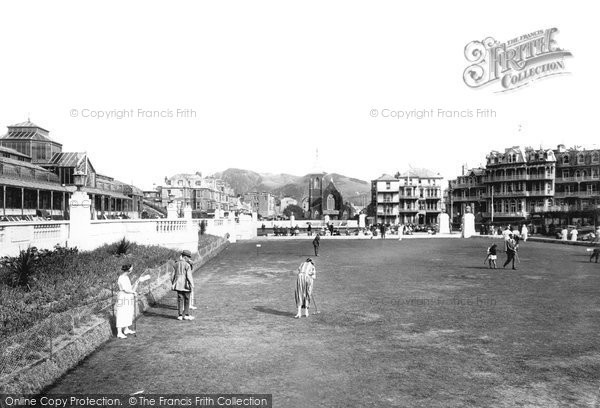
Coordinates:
[163,315]
[275,312]
[164,306]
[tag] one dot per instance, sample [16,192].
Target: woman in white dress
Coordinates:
[124,308]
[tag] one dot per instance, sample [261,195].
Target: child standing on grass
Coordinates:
[492,255]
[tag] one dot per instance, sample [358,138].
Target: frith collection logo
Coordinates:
[515,63]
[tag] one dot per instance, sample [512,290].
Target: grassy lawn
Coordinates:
[412,323]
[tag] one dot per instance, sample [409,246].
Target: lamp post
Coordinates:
[79,179]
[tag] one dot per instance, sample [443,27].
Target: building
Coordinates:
[324,199]
[37,179]
[262,203]
[467,190]
[284,202]
[576,189]
[205,195]
[413,197]
[517,181]
[544,186]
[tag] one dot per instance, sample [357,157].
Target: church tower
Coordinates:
[315,190]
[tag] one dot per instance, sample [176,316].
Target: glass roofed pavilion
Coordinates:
[36,179]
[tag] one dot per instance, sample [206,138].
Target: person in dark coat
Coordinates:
[309,229]
[316,243]
[183,284]
[511,251]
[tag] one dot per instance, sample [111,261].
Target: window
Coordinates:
[565,159]
[387,185]
[595,158]
[580,159]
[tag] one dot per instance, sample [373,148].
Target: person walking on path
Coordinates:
[124,308]
[307,273]
[316,242]
[183,284]
[309,229]
[511,252]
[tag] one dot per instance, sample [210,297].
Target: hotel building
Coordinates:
[412,197]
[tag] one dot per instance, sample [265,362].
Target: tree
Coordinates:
[296,209]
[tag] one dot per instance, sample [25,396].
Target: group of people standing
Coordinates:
[182,282]
[511,247]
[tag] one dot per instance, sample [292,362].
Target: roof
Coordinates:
[66,159]
[22,164]
[386,177]
[420,173]
[28,131]
[32,184]
[13,151]
[27,123]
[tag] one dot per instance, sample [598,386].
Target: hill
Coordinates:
[243,181]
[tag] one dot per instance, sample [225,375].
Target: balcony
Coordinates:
[566,208]
[505,194]
[520,177]
[576,179]
[467,199]
[408,210]
[563,194]
[516,214]
[408,197]
[390,213]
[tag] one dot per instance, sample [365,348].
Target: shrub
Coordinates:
[20,268]
[121,247]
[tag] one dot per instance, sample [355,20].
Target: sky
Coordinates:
[262,85]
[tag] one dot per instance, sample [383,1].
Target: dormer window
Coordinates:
[580,159]
[565,159]
[595,158]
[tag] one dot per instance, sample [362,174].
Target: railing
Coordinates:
[505,214]
[576,179]
[166,226]
[519,194]
[16,236]
[565,208]
[563,194]
[491,179]
[468,198]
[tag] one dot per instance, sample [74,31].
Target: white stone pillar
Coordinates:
[172,211]
[361,220]
[187,212]
[468,225]
[444,223]
[292,220]
[79,221]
